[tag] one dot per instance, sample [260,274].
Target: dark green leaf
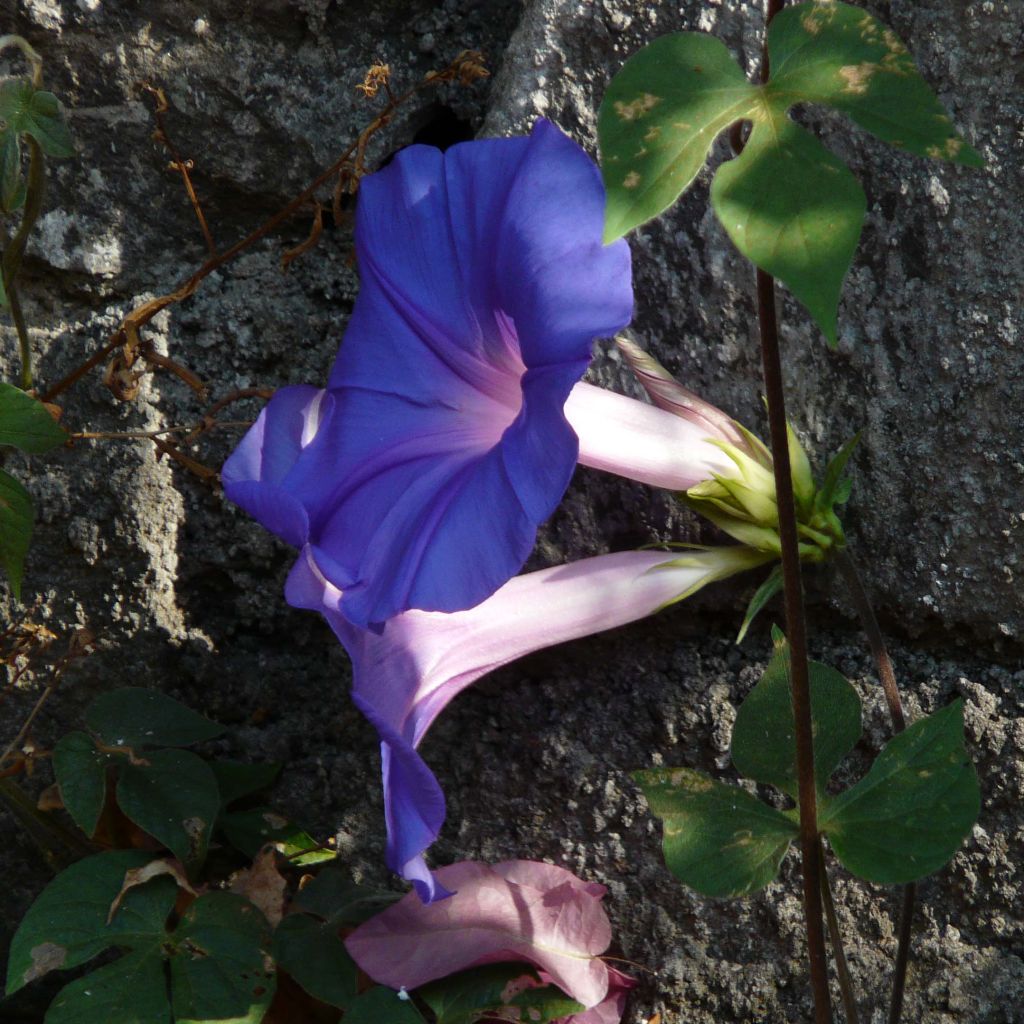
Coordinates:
[135,717]
[81,772]
[839,54]
[379,1005]
[25,422]
[37,113]
[333,896]
[719,839]
[67,925]
[908,816]
[545,1004]
[461,998]
[763,742]
[236,779]
[16,519]
[764,593]
[174,797]
[248,831]
[219,967]
[132,990]
[12,186]
[795,210]
[314,955]
[658,119]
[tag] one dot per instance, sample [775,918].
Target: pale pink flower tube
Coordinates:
[642,442]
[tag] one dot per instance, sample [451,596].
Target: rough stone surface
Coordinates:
[185,591]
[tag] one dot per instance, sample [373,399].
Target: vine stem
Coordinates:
[811,860]
[15,250]
[880,652]
[796,631]
[835,935]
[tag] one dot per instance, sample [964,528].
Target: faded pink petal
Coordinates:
[519,910]
[633,439]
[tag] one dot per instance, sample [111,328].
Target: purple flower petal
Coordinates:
[484,284]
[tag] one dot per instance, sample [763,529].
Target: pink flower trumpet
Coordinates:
[406,674]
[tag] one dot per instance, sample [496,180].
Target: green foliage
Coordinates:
[308,944]
[764,593]
[26,110]
[173,796]
[910,813]
[214,955]
[17,517]
[250,830]
[764,734]
[476,995]
[903,821]
[81,771]
[381,1004]
[135,717]
[719,839]
[788,204]
[25,424]
[464,997]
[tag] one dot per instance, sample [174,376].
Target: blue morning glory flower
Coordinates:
[419,478]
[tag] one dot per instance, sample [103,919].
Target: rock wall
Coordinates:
[185,592]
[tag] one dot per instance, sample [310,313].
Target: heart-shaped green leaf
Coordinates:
[25,423]
[219,963]
[908,816]
[81,772]
[719,839]
[840,55]
[68,923]
[135,717]
[787,203]
[313,954]
[659,117]
[248,831]
[795,210]
[763,737]
[174,797]
[464,997]
[381,1004]
[33,112]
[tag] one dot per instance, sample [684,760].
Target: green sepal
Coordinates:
[763,736]
[718,839]
[719,563]
[918,802]
[832,491]
[800,470]
[764,593]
